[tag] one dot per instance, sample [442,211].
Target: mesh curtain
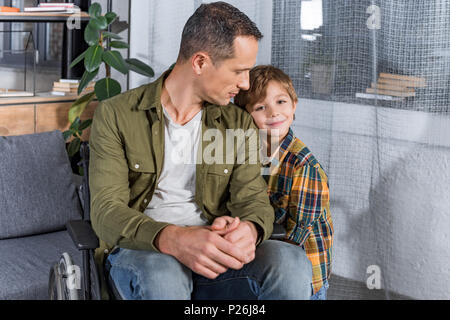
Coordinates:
[386,151]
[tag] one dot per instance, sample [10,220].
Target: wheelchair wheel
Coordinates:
[64,280]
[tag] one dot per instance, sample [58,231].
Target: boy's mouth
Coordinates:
[275,124]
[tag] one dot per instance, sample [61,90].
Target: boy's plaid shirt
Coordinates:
[298,191]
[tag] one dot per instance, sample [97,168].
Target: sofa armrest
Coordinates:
[82,234]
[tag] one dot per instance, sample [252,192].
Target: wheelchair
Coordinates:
[66,280]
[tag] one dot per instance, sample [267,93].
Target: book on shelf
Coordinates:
[55,9]
[5,93]
[70,87]
[69,81]
[73,94]
[56,4]
[377,96]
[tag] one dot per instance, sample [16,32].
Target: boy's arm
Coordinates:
[310,196]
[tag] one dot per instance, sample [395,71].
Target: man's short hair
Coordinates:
[212,28]
[260,77]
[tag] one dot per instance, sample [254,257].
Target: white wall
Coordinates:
[156,28]
[390,199]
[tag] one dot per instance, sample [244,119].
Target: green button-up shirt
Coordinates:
[126,158]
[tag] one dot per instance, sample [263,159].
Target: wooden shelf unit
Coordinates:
[41,113]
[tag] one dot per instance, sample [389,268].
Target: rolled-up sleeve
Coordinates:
[309,197]
[112,219]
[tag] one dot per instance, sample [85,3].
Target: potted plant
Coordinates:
[100,52]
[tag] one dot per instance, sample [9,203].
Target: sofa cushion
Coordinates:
[37,191]
[25,264]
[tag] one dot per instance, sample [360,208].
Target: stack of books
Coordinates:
[56,7]
[393,87]
[67,87]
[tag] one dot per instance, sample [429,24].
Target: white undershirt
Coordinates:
[173,200]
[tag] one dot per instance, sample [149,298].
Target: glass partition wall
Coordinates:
[373,79]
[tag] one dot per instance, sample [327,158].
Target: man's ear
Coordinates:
[200,61]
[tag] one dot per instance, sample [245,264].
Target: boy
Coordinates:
[297,184]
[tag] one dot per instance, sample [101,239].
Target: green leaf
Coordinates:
[78,107]
[110,17]
[119,45]
[91,35]
[67,134]
[85,79]
[99,23]
[93,58]
[140,67]
[107,88]
[77,60]
[85,124]
[95,10]
[75,125]
[74,147]
[115,60]
[111,35]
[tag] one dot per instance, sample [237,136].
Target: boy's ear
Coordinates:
[295,108]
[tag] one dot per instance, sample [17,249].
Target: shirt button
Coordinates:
[225,171]
[106,251]
[145,200]
[136,166]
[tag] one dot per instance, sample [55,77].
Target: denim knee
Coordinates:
[288,271]
[150,276]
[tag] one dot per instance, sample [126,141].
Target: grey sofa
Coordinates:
[38,195]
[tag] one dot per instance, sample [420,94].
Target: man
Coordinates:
[172,230]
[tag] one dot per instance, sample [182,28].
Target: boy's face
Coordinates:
[276,112]
[221,83]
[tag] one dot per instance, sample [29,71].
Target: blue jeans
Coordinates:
[280,271]
[322,293]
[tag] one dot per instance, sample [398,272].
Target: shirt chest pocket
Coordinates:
[141,173]
[217,187]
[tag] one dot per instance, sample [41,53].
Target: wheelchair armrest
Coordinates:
[82,234]
[278,233]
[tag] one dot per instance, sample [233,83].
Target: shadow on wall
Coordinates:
[405,229]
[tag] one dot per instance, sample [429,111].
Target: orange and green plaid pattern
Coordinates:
[299,193]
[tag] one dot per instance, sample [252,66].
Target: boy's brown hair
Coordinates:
[260,77]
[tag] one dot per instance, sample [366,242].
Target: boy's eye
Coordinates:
[281,101]
[259,108]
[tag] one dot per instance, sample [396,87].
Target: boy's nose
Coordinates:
[272,112]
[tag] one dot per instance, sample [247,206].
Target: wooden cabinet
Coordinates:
[20,116]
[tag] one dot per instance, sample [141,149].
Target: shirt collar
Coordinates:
[152,101]
[282,150]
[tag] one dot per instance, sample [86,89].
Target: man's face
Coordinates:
[222,82]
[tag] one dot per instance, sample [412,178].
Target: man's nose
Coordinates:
[244,81]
